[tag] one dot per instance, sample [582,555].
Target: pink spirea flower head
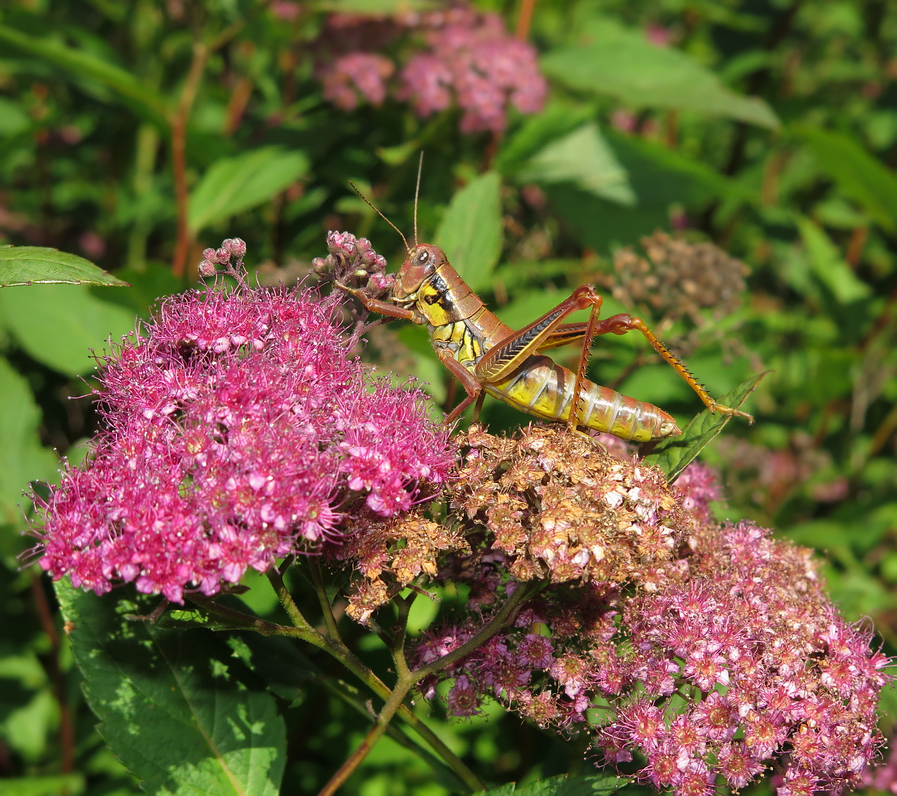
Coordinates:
[474,62]
[460,57]
[238,430]
[711,661]
[356,77]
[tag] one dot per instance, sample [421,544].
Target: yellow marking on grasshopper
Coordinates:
[486,355]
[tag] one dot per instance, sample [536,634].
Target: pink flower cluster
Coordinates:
[468,61]
[692,672]
[238,430]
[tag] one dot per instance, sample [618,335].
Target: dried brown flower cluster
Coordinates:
[544,504]
[561,508]
[678,279]
[389,555]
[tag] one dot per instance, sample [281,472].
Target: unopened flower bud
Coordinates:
[236,246]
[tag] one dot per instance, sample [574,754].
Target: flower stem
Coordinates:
[275,578]
[407,681]
[503,618]
[326,609]
[385,716]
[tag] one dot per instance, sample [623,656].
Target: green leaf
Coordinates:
[22,458]
[626,171]
[563,786]
[624,65]
[237,184]
[860,176]
[585,159]
[554,122]
[673,455]
[27,265]
[13,118]
[70,784]
[176,707]
[827,265]
[613,189]
[58,325]
[29,714]
[471,230]
[84,66]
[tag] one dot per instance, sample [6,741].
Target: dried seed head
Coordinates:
[678,279]
[561,508]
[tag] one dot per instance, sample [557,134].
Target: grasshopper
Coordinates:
[488,357]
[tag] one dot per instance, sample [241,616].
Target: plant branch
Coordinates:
[396,698]
[178,125]
[503,618]
[275,578]
[326,610]
[403,606]
[405,683]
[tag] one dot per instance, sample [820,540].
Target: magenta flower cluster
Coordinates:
[464,59]
[238,430]
[706,670]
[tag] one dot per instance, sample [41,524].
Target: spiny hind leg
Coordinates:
[620,324]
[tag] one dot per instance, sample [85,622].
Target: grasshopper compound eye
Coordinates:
[422,257]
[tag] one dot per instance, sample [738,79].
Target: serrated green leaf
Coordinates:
[28,265]
[236,184]
[673,455]
[175,706]
[563,785]
[22,458]
[84,66]
[471,231]
[58,325]
[629,68]
[861,176]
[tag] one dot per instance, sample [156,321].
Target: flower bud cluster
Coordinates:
[695,654]
[463,59]
[238,430]
[678,279]
[231,249]
[352,262]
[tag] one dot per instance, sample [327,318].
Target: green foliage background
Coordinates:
[771,126]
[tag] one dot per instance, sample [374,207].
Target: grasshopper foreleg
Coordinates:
[471,386]
[375,305]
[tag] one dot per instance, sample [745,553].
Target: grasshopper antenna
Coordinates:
[373,207]
[420,168]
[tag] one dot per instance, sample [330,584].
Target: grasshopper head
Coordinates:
[420,264]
